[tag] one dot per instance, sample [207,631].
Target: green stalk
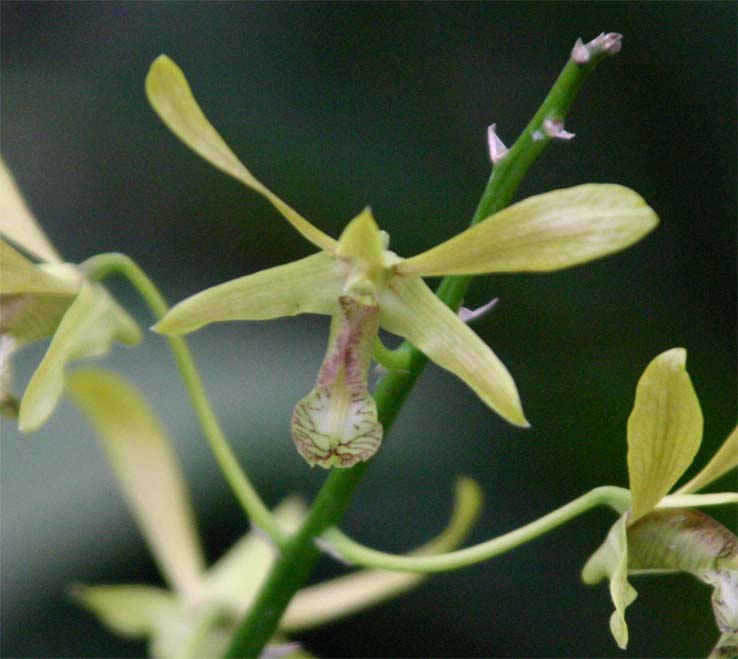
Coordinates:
[299,553]
[102,265]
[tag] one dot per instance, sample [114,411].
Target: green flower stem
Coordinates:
[300,554]
[102,265]
[617,498]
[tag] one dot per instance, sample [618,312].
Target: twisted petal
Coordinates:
[611,561]
[723,461]
[90,325]
[147,470]
[411,310]
[546,232]
[664,430]
[17,223]
[310,285]
[170,95]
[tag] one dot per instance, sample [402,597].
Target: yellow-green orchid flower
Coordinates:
[363,286]
[658,533]
[197,614]
[47,298]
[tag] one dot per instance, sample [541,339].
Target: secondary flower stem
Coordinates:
[299,554]
[102,265]
[617,498]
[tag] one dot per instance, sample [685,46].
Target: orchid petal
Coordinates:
[410,309]
[171,97]
[360,245]
[723,461]
[19,275]
[681,539]
[18,224]
[92,322]
[341,597]
[611,561]
[664,430]
[546,232]
[132,611]
[310,285]
[698,500]
[336,424]
[147,470]
[236,578]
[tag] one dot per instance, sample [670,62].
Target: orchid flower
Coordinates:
[197,614]
[658,532]
[362,285]
[48,298]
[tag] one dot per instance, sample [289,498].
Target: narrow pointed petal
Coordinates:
[310,285]
[411,310]
[90,325]
[664,430]
[610,561]
[335,599]
[336,424]
[723,461]
[19,275]
[236,578]
[698,500]
[147,470]
[546,232]
[170,95]
[17,223]
[132,611]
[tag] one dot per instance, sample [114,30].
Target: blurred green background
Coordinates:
[336,106]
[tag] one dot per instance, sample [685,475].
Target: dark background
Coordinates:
[336,106]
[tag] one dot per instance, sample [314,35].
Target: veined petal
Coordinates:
[310,285]
[170,95]
[19,275]
[664,430]
[681,539]
[17,223]
[133,611]
[546,232]
[236,578]
[90,325]
[144,463]
[611,561]
[336,425]
[410,309]
[723,461]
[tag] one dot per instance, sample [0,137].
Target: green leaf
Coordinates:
[723,461]
[411,310]
[147,470]
[17,223]
[611,561]
[664,430]
[171,97]
[90,325]
[546,232]
[310,285]
[132,611]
